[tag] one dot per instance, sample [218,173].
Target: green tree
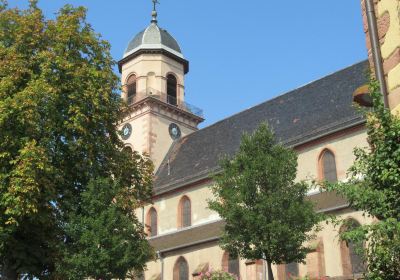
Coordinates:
[107,240]
[59,113]
[216,275]
[266,214]
[374,187]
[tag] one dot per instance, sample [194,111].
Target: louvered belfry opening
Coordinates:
[131,89]
[172,90]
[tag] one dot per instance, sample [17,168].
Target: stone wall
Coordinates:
[388,21]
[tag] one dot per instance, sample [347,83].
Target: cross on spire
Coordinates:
[154,13]
[155,2]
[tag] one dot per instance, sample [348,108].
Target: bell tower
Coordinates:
[153,70]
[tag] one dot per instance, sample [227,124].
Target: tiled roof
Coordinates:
[188,237]
[153,37]
[306,113]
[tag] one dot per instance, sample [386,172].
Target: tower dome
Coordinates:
[154,37]
[154,40]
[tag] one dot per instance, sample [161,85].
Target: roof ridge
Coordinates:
[147,30]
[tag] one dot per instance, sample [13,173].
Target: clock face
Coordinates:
[174,131]
[126,131]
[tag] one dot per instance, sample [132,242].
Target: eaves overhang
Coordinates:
[292,143]
[161,51]
[178,110]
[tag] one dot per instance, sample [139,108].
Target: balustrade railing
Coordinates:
[172,100]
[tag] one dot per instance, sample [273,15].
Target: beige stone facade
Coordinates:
[210,253]
[152,114]
[342,145]
[330,264]
[167,208]
[151,71]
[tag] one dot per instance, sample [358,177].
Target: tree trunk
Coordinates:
[270,274]
[8,272]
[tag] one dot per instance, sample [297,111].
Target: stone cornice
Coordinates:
[151,104]
[154,51]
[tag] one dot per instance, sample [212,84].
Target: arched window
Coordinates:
[352,262]
[152,222]
[131,89]
[172,90]
[139,276]
[185,213]
[328,166]
[181,269]
[230,264]
[292,270]
[128,150]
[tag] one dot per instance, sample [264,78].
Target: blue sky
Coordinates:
[241,53]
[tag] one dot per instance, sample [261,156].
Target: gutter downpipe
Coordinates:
[264,269]
[160,256]
[265,272]
[376,50]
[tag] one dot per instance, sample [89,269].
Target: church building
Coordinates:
[317,120]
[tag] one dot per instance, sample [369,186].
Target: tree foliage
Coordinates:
[216,275]
[266,214]
[59,112]
[103,231]
[374,187]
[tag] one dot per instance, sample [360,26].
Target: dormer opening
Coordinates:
[172,90]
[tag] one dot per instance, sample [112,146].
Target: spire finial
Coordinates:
[154,13]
